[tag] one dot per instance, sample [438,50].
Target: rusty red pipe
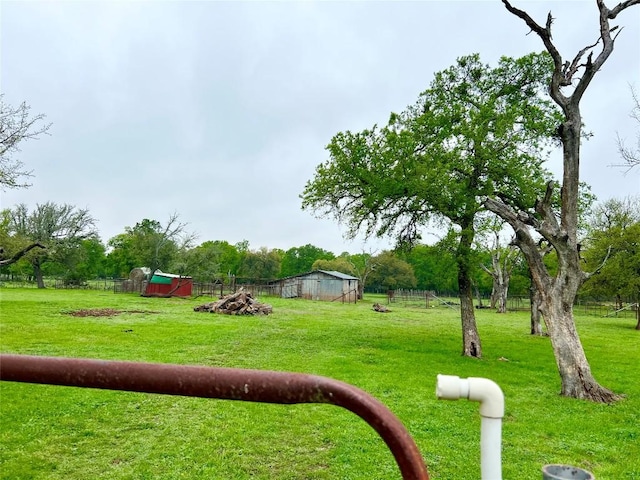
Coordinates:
[221,383]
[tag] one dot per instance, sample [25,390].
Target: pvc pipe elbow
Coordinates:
[483,390]
[490,396]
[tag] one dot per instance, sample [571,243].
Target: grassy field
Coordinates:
[52,432]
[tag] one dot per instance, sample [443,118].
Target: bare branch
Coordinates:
[613,13]
[16,125]
[20,254]
[631,155]
[558,79]
[565,72]
[569,71]
[599,267]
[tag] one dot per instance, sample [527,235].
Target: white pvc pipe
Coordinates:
[491,399]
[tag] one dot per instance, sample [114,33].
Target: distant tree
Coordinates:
[391,273]
[260,265]
[339,264]
[149,244]
[229,259]
[476,131]
[434,266]
[504,255]
[121,258]
[363,264]
[300,259]
[568,84]
[631,155]
[85,262]
[202,263]
[613,250]
[16,125]
[60,228]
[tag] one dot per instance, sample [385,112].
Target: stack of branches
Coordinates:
[239,303]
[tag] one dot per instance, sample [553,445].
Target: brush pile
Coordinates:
[239,303]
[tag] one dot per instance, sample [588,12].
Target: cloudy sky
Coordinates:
[220,111]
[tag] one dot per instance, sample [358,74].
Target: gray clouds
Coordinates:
[221,110]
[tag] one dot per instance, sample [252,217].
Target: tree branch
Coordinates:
[20,254]
[557,80]
[599,267]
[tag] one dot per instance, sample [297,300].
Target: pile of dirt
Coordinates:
[239,303]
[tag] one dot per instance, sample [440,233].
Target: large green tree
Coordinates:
[475,131]
[59,227]
[260,265]
[391,273]
[90,262]
[434,266]
[339,264]
[212,261]
[149,244]
[613,249]
[298,260]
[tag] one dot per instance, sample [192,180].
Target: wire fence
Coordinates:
[624,308]
[596,307]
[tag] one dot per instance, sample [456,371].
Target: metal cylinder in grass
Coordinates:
[565,472]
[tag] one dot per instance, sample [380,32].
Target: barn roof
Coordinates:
[333,273]
[337,274]
[169,275]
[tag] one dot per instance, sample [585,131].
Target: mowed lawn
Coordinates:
[50,432]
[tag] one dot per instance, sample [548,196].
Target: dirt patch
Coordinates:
[103,312]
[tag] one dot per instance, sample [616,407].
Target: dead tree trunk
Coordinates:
[500,272]
[502,261]
[557,295]
[558,292]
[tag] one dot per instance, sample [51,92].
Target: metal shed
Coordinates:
[321,285]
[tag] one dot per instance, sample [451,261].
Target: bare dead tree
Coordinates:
[558,292]
[631,155]
[502,263]
[175,232]
[16,125]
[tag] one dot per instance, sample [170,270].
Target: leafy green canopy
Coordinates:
[613,248]
[476,131]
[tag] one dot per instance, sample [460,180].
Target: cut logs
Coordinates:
[239,303]
[380,308]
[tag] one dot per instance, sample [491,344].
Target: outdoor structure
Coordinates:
[320,285]
[168,284]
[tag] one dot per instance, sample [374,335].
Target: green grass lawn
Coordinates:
[50,432]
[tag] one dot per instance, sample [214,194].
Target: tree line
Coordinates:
[62,242]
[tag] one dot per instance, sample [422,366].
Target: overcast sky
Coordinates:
[220,111]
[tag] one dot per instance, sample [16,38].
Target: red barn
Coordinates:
[169,285]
